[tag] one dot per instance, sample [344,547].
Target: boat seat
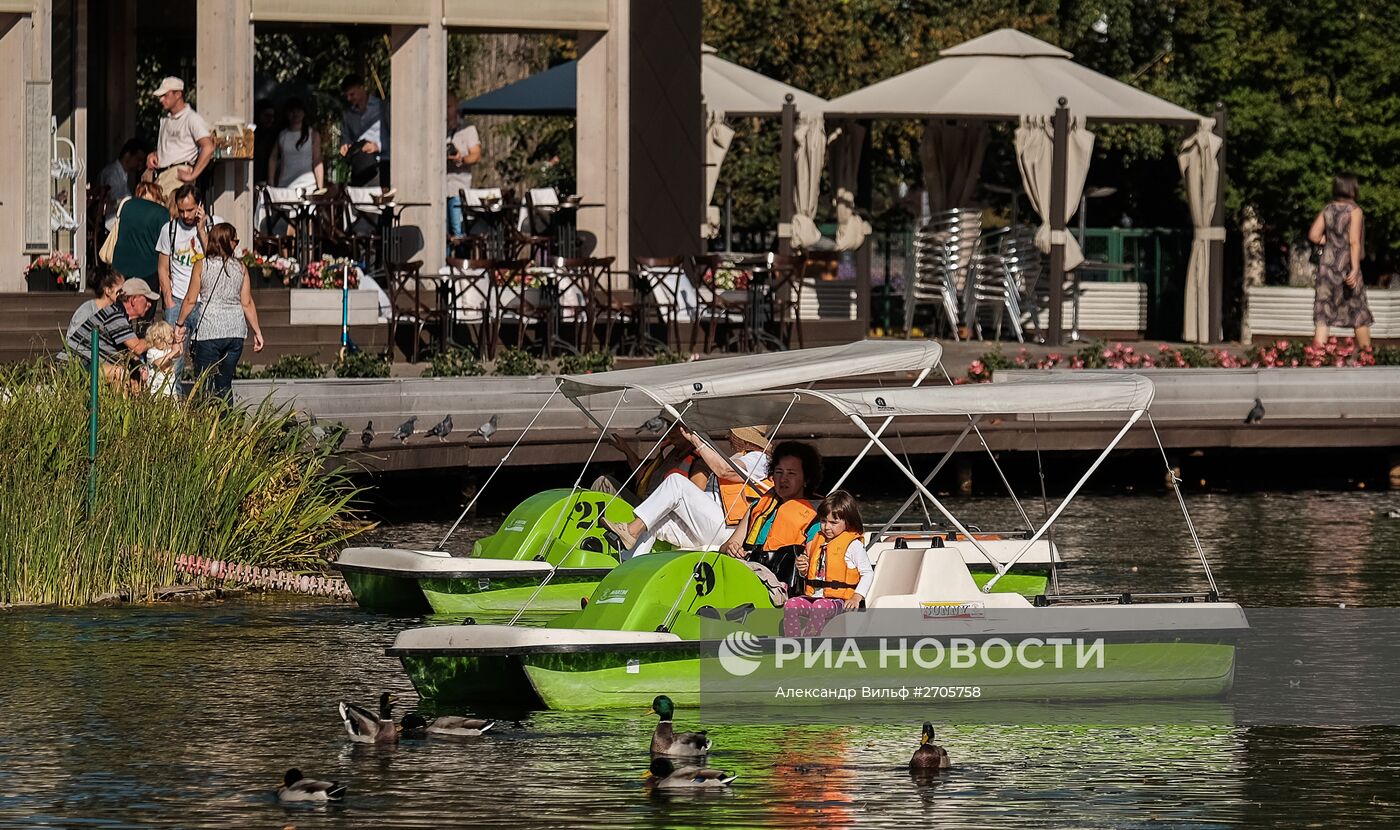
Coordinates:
[943,575]
[896,575]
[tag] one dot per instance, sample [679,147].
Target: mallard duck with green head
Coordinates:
[365,727]
[929,755]
[296,787]
[667,776]
[667,741]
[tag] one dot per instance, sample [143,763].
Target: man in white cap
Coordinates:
[184,147]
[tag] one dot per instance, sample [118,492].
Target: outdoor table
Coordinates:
[564,227]
[300,213]
[390,220]
[491,214]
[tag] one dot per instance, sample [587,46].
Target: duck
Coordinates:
[365,728]
[666,741]
[415,725]
[296,787]
[929,756]
[667,776]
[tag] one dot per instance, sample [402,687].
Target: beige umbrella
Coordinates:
[1035,150]
[951,153]
[811,155]
[741,92]
[1199,161]
[718,136]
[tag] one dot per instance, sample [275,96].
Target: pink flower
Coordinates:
[1108,353]
[976,367]
[1163,348]
[1281,345]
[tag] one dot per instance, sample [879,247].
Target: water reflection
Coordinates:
[187,717]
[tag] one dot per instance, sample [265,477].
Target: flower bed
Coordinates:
[1278,354]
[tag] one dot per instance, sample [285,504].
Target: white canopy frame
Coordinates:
[1063,395]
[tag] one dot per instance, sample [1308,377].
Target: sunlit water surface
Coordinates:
[187,716]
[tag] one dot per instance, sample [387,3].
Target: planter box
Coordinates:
[321,307]
[1286,311]
[46,281]
[1119,308]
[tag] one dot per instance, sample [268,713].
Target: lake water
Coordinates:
[188,716]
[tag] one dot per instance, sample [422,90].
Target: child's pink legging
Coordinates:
[804,617]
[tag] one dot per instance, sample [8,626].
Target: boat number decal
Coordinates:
[704,578]
[588,512]
[483,584]
[634,666]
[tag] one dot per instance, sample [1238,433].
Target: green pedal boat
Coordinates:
[683,623]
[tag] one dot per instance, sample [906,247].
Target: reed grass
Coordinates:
[172,478]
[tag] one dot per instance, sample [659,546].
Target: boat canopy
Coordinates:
[1049,396]
[727,376]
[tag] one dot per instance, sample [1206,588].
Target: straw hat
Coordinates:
[754,435]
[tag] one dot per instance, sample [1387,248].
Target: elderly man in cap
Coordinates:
[117,342]
[694,518]
[184,147]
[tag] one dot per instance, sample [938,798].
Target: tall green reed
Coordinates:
[172,478]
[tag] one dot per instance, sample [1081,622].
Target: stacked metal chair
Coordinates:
[1003,278]
[944,252]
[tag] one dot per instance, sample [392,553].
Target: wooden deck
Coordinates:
[1195,409]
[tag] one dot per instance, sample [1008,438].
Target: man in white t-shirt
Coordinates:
[184,147]
[176,247]
[463,153]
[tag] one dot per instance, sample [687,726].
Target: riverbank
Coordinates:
[168,478]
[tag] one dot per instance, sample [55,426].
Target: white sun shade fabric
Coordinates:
[1050,396]
[1000,75]
[738,91]
[750,373]
[1199,161]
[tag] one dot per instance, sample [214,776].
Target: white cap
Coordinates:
[168,84]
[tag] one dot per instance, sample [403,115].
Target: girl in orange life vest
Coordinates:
[774,530]
[835,567]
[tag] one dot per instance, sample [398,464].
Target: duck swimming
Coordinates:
[929,756]
[295,787]
[667,776]
[362,725]
[666,741]
[415,725]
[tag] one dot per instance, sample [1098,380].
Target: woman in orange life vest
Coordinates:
[775,529]
[835,568]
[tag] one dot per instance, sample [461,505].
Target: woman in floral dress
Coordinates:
[1341,296]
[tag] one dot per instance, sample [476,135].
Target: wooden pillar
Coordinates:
[224,89]
[418,124]
[1059,160]
[865,200]
[1217,246]
[787,163]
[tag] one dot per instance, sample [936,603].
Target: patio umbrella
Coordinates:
[718,136]
[1199,161]
[1035,149]
[810,156]
[951,153]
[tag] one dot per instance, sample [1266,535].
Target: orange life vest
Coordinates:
[827,568]
[790,520]
[737,497]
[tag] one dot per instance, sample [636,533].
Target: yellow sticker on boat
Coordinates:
[953,610]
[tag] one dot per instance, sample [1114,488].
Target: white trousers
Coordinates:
[680,513]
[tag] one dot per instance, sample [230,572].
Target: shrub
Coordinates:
[517,363]
[294,366]
[599,360]
[244,371]
[455,362]
[664,357]
[362,365]
[241,486]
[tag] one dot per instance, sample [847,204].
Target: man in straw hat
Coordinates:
[681,513]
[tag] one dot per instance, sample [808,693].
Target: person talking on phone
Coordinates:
[179,245]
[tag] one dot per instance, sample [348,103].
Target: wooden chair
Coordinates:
[784,296]
[665,296]
[717,308]
[416,300]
